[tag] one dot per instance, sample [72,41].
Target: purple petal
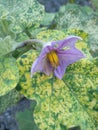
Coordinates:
[60,70]
[41,65]
[65,58]
[35,67]
[70,56]
[46,67]
[69,41]
[44,51]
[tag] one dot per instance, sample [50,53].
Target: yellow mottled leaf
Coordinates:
[9,75]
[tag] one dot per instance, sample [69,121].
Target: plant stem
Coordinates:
[30,42]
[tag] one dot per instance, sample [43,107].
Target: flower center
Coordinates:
[53,58]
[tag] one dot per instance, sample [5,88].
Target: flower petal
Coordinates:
[46,67]
[60,70]
[34,67]
[66,58]
[69,41]
[41,64]
[48,47]
[70,56]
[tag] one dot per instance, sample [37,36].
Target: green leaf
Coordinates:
[64,105]
[6,45]
[82,80]
[25,118]
[51,35]
[58,102]
[61,108]
[9,74]
[6,28]
[8,100]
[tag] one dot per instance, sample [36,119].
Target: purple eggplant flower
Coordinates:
[56,56]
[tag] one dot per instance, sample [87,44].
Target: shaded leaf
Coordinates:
[8,100]
[25,118]
[9,74]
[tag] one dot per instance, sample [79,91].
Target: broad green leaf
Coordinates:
[25,118]
[9,74]
[6,45]
[57,104]
[82,80]
[61,108]
[60,105]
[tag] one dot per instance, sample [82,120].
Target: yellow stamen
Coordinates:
[53,58]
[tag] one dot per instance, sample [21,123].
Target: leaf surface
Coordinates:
[62,103]
[9,74]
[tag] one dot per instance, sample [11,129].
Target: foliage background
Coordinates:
[23,20]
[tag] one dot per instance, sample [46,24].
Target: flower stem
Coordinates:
[31,42]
